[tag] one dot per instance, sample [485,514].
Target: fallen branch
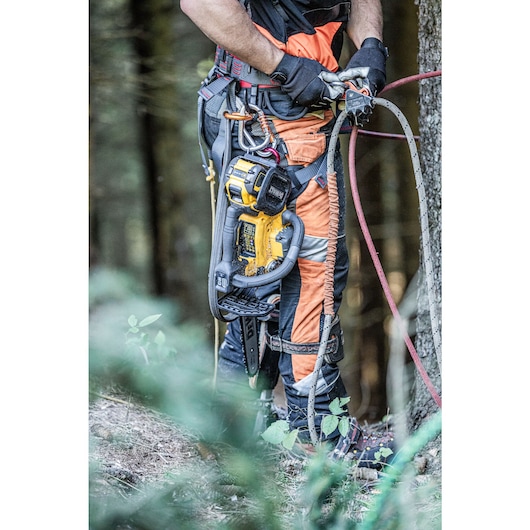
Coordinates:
[110,398]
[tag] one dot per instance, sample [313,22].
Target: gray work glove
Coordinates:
[372,54]
[359,103]
[358,76]
[300,78]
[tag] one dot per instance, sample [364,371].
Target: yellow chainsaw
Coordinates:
[257,238]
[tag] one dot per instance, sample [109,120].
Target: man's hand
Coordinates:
[359,101]
[359,105]
[301,79]
[372,54]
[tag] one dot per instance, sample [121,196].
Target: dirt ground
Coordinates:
[134,449]
[132,446]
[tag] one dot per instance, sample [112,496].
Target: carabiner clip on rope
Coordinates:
[246,141]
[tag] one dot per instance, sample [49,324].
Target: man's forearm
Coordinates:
[366,21]
[227,24]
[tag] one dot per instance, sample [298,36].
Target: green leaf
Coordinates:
[134,329]
[344,425]
[344,401]
[329,424]
[276,432]
[385,452]
[160,338]
[289,440]
[335,407]
[132,321]
[148,320]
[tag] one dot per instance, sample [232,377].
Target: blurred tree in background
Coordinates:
[149,206]
[149,200]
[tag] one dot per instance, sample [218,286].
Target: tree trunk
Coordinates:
[429,58]
[163,73]
[154,46]
[390,203]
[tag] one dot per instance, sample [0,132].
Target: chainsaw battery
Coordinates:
[258,184]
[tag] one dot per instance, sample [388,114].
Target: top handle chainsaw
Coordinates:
[257,239]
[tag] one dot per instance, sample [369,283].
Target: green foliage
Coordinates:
[203,67]
[384,452]
[278,433]
[137,343]
[140,339]
[337,418]
[377,517]
[325,506]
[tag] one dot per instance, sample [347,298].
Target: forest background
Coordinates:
[45,230]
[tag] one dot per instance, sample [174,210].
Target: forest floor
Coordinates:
[135,451]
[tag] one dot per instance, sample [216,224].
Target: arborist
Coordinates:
[266,112]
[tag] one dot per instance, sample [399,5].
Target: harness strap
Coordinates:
[220,150]
[316,169]
[228,64]
[229,69]
[276,343]
[208,91]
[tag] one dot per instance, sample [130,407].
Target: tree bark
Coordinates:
[154,45]
[162,106]
[422,404]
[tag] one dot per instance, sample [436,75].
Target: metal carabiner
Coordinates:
[243,134]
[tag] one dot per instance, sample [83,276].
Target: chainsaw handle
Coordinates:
[225,269]
[240,280]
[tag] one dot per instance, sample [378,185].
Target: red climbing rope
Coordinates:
[373,251]
[409,79]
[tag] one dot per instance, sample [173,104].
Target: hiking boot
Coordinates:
[368,449]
